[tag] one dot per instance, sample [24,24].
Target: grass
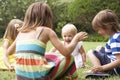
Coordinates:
[7,75]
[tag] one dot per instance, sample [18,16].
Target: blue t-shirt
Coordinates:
[113,47]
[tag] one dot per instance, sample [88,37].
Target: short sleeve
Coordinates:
[80,44]
[115,44]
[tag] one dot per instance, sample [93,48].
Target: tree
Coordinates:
[82,12]
[12,9]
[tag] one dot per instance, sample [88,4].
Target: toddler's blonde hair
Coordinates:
[69,28]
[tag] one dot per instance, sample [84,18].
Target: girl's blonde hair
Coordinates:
[38,14]
[106,19]
[70,28]
[11,30]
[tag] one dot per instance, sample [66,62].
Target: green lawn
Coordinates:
[6,75]
[87,45]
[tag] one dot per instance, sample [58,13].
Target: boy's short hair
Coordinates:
[106,19]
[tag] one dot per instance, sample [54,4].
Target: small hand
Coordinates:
[83,65]
[11,67]
[97,69]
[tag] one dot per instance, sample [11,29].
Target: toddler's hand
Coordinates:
[83,65]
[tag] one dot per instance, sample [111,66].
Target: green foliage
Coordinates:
[12,9]
[78,12]
[59,8]
[1,32]
[59,27]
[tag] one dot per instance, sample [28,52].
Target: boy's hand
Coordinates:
[97,69]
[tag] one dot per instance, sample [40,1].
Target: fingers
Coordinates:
[11,68]
[82,35]
[97,69]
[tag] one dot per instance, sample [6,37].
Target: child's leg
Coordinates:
[94,60]
[100,49]
[99,58]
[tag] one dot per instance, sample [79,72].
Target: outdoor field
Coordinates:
[7,75]
[99,18]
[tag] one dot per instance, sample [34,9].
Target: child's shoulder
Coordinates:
[116,35]
[44,27]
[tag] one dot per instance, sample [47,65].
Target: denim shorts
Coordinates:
[102,56]
[104,59]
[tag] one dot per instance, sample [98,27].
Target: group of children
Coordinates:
[29,46]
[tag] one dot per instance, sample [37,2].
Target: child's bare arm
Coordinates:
[66,50]
[6,45]
[83,54]
[53,49]
[9,51]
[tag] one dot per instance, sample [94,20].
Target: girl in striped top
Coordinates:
[30,44]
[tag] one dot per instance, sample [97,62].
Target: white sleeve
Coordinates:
[80,44]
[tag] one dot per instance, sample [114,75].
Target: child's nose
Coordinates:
[67,38]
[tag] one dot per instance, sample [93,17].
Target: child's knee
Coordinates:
[89,52]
